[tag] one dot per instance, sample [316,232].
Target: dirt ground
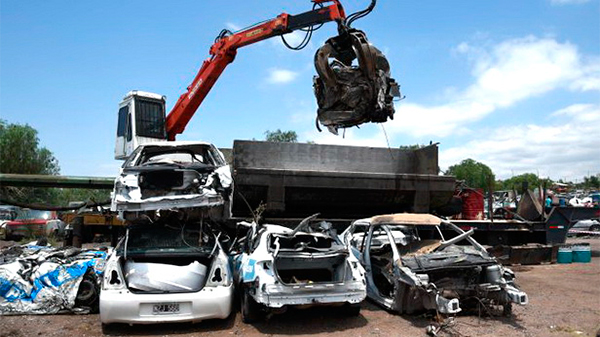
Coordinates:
[564,301]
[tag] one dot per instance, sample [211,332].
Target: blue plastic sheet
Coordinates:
[45,280]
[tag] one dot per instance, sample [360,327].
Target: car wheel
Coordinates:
[595,228]
[251,311]
[88,292]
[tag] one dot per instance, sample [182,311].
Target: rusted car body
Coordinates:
[413,266]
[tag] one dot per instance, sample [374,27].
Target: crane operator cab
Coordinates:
[141,120]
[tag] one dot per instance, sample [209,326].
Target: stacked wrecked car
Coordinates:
[170,265]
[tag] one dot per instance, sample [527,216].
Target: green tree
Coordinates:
[532,180]
[412,147]
[20,151]
[474,173]
[591,182]
[281,136]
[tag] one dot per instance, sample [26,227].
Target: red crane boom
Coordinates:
[223,52]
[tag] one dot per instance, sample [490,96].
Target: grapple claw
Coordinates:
[350,95]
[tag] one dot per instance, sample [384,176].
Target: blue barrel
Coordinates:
[582,253]
[565,254]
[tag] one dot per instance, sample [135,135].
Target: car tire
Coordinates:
[88,292]
[595,228]
[250,310]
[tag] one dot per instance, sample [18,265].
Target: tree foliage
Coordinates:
[281,136]
[20,151]
[531,179]
[591,182]
[474,173]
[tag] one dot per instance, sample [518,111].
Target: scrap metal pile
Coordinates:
[45,280]
[349,95]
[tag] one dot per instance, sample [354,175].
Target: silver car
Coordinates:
[167,271]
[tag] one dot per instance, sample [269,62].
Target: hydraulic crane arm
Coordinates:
[223,52]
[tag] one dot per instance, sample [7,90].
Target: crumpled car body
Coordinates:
[277,267]
[45,280]
[170,175]
[349,94]
[413,266]
[167,271]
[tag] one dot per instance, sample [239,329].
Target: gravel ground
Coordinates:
[564,301]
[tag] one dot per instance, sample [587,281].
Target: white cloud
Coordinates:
[568,2]
[568,148]
[504,75]
[281,76]
[232,26]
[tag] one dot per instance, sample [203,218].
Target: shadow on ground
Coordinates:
[310,321]
[170,328]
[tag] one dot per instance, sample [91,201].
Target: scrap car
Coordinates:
[169,175]
[415,264]
[278,267]
[167,269]
[30,223]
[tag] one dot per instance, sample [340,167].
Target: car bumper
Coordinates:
[278,295]
[122,306]
[183,201]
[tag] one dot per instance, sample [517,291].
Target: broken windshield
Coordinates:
[164,239]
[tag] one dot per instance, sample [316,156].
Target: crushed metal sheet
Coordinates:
[350,95]
[46,280]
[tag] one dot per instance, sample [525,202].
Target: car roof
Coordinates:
[175,143]
[409,219]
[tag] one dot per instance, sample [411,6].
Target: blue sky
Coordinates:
[513,84]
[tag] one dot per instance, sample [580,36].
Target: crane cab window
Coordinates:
[122,123]
[150,118]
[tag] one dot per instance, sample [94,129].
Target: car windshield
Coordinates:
[6,214]
[403,235]
[162,239]
[34,214]
[203,154]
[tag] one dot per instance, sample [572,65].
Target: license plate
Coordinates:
[165,308]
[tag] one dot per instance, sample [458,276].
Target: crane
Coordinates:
[142,115]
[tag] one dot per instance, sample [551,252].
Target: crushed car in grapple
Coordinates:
[412,267]
[174,175]
[350,95]
[277,267]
